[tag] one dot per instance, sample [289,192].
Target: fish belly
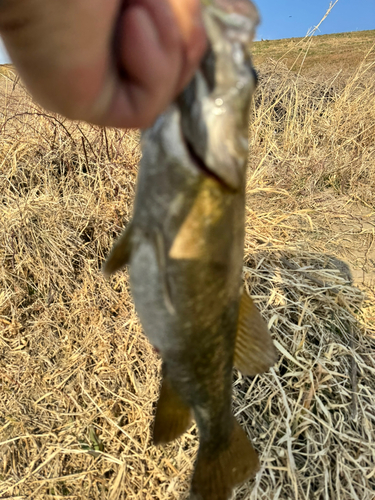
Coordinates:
[149,296]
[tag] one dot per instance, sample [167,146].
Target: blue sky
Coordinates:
[3,56]
[293,18]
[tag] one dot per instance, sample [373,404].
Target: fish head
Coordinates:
[215,107]
[230,27]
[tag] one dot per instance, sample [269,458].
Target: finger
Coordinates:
[158,51]
[61,51]
[181,31]
[188,16]
[148,57]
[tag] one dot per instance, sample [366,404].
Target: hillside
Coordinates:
[328,53]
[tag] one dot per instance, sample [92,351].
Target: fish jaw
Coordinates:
[230,27]
[215,107]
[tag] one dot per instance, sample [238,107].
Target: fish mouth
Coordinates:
[195,138]
[214,107]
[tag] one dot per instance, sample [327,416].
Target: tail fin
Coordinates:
[215,476]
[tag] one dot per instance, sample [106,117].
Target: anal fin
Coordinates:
[173,416]
[120,253]
[254,351]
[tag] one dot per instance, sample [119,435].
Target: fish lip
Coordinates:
[240,17]
[230,25]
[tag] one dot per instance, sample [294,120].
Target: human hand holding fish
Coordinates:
[120,64]
[184,248]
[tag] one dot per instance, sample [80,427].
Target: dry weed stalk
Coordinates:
[78,380]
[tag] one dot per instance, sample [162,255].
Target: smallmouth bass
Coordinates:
[184,248]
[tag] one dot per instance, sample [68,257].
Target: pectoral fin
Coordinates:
[173,416]
[120,253]
[254,351]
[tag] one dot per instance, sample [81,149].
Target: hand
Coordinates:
[110,62]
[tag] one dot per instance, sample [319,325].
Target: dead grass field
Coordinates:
[78,380]
[328,53]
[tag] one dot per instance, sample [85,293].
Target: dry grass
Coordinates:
[78,380]
[327,53]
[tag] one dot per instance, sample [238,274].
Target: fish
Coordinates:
[184,247]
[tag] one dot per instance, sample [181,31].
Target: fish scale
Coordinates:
[184,247]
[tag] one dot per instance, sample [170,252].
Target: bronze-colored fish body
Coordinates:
[184,247]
